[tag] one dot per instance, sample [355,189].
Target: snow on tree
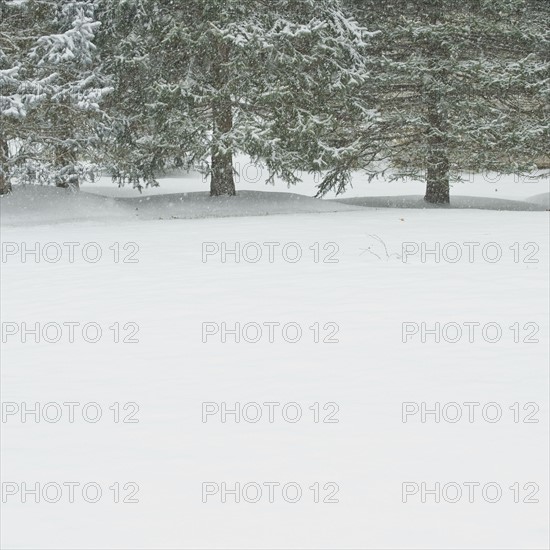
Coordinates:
[198,81]
[12,97]
[459,86]
[50,90]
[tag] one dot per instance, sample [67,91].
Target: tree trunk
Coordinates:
[5,184]
[437,161]
[437,180]
[221,180]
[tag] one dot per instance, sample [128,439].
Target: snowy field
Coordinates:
[361,276]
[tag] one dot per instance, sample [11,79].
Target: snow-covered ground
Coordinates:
[355,276]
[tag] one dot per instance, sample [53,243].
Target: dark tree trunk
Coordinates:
[437,161]
[5,184]
[437,180]
[221,180]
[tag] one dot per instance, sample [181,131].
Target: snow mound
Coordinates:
[542,199]
[246,203]
[36,205]
[417,201]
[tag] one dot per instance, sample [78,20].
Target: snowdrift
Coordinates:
[35,205]
[481,203]
[30,205]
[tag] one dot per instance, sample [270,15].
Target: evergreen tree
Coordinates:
[15,96]
[460,85]
[198,81]
[50,89]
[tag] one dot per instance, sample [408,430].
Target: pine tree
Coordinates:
[198,81]
[459,86]
[51,86]
[14,95]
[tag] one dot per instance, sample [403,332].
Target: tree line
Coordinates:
[421,89]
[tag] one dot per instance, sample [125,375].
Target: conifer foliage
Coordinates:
[460,86]
[199,81]
[422,89]
[51,88]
